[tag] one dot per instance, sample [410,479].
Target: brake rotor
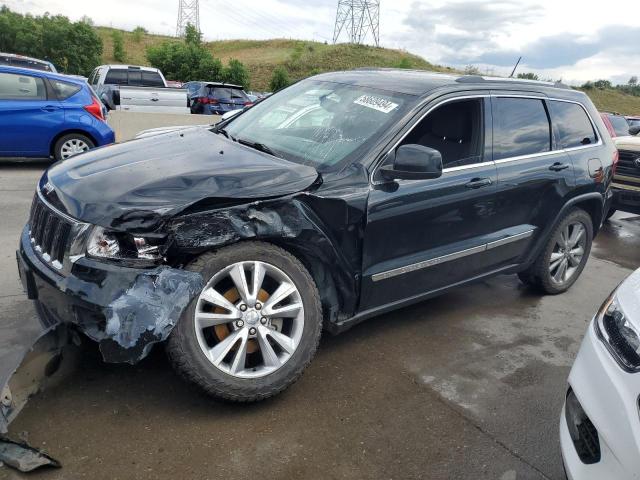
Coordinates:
[222,331]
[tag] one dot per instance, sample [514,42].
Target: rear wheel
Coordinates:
[70,145]
[254,327]
[565,255]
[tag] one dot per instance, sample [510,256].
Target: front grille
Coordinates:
[626,164]
[49,233]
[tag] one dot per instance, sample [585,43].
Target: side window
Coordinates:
[116,76]
[456,130]
[573,124]
[21,87]
[64,90]
[520,127]
[152,79]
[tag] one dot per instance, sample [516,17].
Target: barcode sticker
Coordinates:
[377,103]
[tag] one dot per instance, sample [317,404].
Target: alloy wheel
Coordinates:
[249,319]
[567,253]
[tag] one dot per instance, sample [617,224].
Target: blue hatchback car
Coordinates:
[43,115]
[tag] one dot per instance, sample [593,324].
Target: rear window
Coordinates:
[21,87]
[620,125]
[152,79]
[220,92]
[116,76]
[64,90]
[135,78]
[520,127]
[573,124]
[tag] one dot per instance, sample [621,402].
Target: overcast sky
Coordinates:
[568,39]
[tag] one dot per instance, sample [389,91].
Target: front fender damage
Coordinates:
[296,223]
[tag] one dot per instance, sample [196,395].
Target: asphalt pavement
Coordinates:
[465,386]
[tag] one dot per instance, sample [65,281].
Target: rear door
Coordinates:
[535,174]
[29,116]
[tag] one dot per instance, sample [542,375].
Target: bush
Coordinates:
[138,33]
[237,74]
[73,47]
[404,63]
[118,46]
[528,76]
[279,79]
[185,61]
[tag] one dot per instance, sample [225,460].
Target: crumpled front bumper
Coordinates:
[126,310]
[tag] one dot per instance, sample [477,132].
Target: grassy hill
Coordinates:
[304,58]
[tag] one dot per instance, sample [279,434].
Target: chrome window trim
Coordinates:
[376,277]
[502,160]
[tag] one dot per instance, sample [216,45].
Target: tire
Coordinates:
[194,349]
[610,214]
[542,274]
[70,145]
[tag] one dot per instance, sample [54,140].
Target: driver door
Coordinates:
[423,235]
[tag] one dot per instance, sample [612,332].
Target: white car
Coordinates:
[600,421]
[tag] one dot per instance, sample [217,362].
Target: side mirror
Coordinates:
[634,130]
[414,162]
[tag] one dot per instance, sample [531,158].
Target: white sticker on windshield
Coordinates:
[377,103]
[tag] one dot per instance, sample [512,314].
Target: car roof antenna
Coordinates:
[514,68]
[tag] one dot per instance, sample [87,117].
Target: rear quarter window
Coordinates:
[520,127]
[21,87]
[64,90]
[573,124]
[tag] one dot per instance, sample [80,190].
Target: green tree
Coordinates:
[118,46]
[237,73]
[138,33]
[191,35]
[279,79]
[633,81]
[602,84]
[185,61]
[73,47]
[528,76]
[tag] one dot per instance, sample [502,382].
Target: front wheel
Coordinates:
[565,255]
[254,327]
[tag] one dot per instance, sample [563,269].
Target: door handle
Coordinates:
[478,183]
[49,108]
[155,99]
[556,167]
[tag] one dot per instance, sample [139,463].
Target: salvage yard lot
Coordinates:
[466,386]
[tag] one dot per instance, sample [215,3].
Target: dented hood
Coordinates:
[157,177]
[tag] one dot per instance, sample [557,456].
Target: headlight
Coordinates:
[121,246]
[620,336]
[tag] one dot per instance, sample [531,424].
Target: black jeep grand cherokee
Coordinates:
[342,197]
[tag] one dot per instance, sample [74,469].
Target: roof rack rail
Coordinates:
[483,79]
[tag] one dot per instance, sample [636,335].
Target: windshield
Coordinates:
[321,124]
[620,125]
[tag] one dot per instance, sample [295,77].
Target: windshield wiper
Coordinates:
[260,147]
[224,132]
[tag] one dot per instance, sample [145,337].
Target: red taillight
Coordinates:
[95,108]
[203,100]
[616,157]
[248,104]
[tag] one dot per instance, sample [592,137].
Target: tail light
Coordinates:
[207,101]
[248,104]
[95,108]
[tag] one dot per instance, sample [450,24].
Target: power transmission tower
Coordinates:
[358,18]
[188,13]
